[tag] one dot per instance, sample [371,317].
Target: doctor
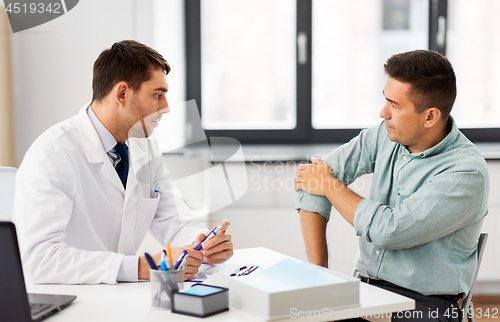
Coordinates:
[85,191]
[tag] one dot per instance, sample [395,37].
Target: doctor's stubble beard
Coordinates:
[140,129]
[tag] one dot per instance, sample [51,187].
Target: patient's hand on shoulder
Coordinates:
[316,178]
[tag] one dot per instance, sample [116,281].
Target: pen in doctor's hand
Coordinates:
[181,261]
[210,235]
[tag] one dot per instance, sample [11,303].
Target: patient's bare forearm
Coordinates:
[314,233]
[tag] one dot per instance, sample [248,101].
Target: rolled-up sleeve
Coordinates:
[313,203]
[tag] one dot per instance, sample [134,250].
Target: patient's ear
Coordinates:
[432,116]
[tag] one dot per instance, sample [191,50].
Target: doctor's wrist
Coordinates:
[143,269]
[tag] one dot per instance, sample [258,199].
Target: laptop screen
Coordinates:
[14,304]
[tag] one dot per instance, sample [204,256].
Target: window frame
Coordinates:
[304,131]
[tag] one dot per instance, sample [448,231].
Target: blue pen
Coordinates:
[156,189]
[180,259]
[183,262]
[210,235]
[163,266]
[151,261]
[253,269]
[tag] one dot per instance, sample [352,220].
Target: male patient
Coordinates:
[420,227]
[85,191]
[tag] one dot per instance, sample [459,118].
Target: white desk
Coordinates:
[131,301]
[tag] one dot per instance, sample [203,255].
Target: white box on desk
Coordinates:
[283,301]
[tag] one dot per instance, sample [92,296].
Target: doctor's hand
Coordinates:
[190,268]
[218,249]
[316,178]
[143,271]
[193,262]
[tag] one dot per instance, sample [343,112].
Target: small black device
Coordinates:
[201,300]
[15,303]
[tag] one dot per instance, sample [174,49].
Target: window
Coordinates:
[473,46]
[306,71]
[350,46]
[247,48]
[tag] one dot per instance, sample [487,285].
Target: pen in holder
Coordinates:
[164,284]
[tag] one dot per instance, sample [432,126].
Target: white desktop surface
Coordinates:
[131,301]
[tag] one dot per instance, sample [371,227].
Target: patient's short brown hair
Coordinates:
[431,76]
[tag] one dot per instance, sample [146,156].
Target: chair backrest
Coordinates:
[355,267]
[480,250]
[7,183]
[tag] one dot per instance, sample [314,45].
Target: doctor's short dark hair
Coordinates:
[128,61]
[431,76]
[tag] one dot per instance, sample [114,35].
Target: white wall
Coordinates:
[52,63]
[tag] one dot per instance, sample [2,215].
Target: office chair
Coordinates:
[355,267]
[467,303]
[7,182]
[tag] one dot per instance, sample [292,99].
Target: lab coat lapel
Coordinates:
[138,158]
[94,151]
[109,172]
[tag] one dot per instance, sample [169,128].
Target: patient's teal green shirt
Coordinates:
[419,228]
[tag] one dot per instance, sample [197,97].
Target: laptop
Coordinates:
[15,303]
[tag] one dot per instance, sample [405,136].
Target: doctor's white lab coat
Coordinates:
[75,220]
